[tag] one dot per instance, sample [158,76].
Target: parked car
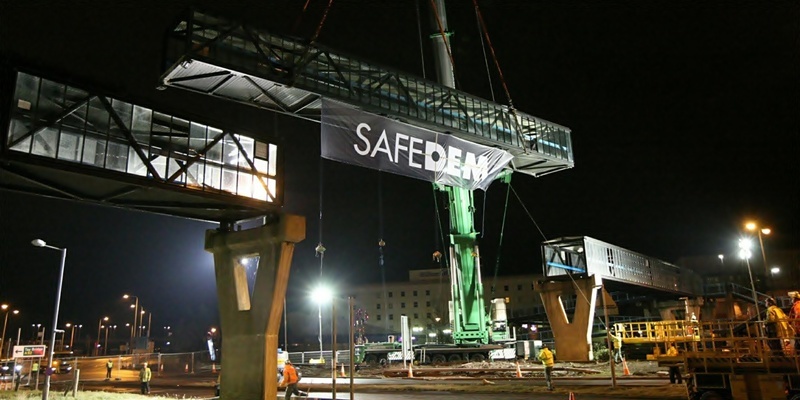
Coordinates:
[7,370]
[60,366]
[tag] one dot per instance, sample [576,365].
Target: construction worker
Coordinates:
[109,367]
[616,342]
[794,317]
[144,377]
[674,370]
[546,357]
[290,379]
[778,328]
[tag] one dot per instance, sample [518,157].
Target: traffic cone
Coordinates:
[410,371]
[213,368]
[519,371]
[625,370]
[341,372]
[571,396]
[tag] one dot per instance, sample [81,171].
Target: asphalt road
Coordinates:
[201,385]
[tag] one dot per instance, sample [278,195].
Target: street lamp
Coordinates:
[105,345]
[321,295]
[99,326]
[135,307]
[72,332]
[5,307]
[141,322]
[42,243]
[745,253]
[752,226]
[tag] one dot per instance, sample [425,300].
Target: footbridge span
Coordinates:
[582,267]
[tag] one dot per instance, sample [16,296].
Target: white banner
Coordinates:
[355,137]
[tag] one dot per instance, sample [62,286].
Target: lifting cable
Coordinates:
[320,249]
[575,284]
[316,32]
[321,22]
[482,24]
[483,49]
[485,31]
[381,243]
[300,17]
[419,33]
[500,244]
[437,255]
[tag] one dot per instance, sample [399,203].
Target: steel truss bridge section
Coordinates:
[230,60]
[585,256]
[63,141]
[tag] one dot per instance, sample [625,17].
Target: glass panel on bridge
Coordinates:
[65,123]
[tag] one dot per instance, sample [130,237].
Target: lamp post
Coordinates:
[42,243]
[141,322]
[105,345]
[752,226]
[72,333]
[5,307]
[99,326]
[745,253]
[135,307]
[321,295]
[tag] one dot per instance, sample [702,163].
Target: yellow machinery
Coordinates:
[729,360]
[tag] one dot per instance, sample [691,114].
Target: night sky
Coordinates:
[684,119]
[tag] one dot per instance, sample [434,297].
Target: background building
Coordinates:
[424,299]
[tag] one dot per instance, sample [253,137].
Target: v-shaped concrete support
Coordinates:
[573,339]
[251,324]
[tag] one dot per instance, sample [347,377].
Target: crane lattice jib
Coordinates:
[230,60]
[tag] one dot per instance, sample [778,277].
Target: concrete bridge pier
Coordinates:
[251,323]
[573,338]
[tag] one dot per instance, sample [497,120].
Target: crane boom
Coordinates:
[468,315]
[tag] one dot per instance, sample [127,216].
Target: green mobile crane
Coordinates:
[478,334]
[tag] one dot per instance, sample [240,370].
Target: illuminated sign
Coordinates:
[34,351]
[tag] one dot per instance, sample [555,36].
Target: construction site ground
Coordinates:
[501,377]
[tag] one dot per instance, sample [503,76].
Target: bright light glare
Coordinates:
[775,270]
[322,294]
[745,254]
[38,242]
[751,226]
[766,231]
[745,244]
[721,256]
[431,334]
